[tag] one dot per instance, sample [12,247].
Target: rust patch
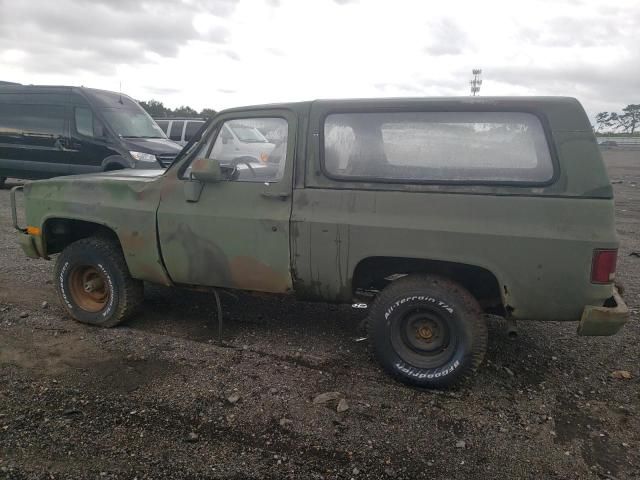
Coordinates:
[169,184]
[248,273]
[133,240]
[198,162]
[153,273]
[206,263]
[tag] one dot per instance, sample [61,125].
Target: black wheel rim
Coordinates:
[423,337]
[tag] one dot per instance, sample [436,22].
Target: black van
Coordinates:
[47,131]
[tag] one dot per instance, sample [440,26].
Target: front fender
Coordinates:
[126,206]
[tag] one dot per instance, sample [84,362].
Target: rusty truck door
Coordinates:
[236,233]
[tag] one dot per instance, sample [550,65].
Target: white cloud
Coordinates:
[227,53]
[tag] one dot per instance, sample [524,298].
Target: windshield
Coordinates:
[130,123]
[248,134]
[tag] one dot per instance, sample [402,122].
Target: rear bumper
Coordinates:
[604,320]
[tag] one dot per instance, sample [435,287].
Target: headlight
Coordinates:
[143,157]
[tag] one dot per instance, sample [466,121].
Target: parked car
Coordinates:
[180,130]
[242,140]
[46,131]
[429,212]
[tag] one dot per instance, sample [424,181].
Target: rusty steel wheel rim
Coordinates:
[89,288]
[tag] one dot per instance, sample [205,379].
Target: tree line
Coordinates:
[626,122]
[157,109]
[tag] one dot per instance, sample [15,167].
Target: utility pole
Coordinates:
[476,82]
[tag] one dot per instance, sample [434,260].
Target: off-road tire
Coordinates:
[443,306]
[103,256]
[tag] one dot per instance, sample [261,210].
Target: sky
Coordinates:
[225,53]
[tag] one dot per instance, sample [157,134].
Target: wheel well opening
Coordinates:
[373,274]
[60,232]
[113,166]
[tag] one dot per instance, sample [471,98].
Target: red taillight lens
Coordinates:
[603,269]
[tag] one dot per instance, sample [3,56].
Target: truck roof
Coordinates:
[459,101]
[562,113]
[197,119]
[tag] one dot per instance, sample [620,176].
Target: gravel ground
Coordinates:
[158,398]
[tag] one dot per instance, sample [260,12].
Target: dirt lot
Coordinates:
[157,398]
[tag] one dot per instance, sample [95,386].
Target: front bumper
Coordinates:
[28,244]
[26,241]
[604,320]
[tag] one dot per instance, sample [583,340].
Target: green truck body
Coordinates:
[524,249]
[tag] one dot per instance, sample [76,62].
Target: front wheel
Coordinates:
[94,283]
[427,331]
[2,180]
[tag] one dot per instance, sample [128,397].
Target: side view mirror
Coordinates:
[206,170]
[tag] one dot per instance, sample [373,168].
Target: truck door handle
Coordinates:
[279,195]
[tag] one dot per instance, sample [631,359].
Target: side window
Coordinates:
[191,129]
[437,146]
[35,124]
[98,128]
[87,124]
[84,121]
[225,134]
[176,130]
[163,124]
[243,150]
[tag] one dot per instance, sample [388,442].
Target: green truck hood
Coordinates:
[88,189]
[124,175]
[123,202]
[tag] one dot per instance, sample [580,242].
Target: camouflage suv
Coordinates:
[432,212]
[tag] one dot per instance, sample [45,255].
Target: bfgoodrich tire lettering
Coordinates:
[427,331]
[94,284]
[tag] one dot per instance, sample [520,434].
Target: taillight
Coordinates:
[603,268]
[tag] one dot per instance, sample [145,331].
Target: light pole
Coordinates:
[476,82]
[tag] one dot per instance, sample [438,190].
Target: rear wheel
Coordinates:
[2,180]
[427,331]
[94,284]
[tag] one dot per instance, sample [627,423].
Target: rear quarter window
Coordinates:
[438,147]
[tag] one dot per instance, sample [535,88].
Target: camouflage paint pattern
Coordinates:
[537,241]
[124,201]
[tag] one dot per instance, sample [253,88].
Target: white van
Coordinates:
[243,143]
[180,130]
